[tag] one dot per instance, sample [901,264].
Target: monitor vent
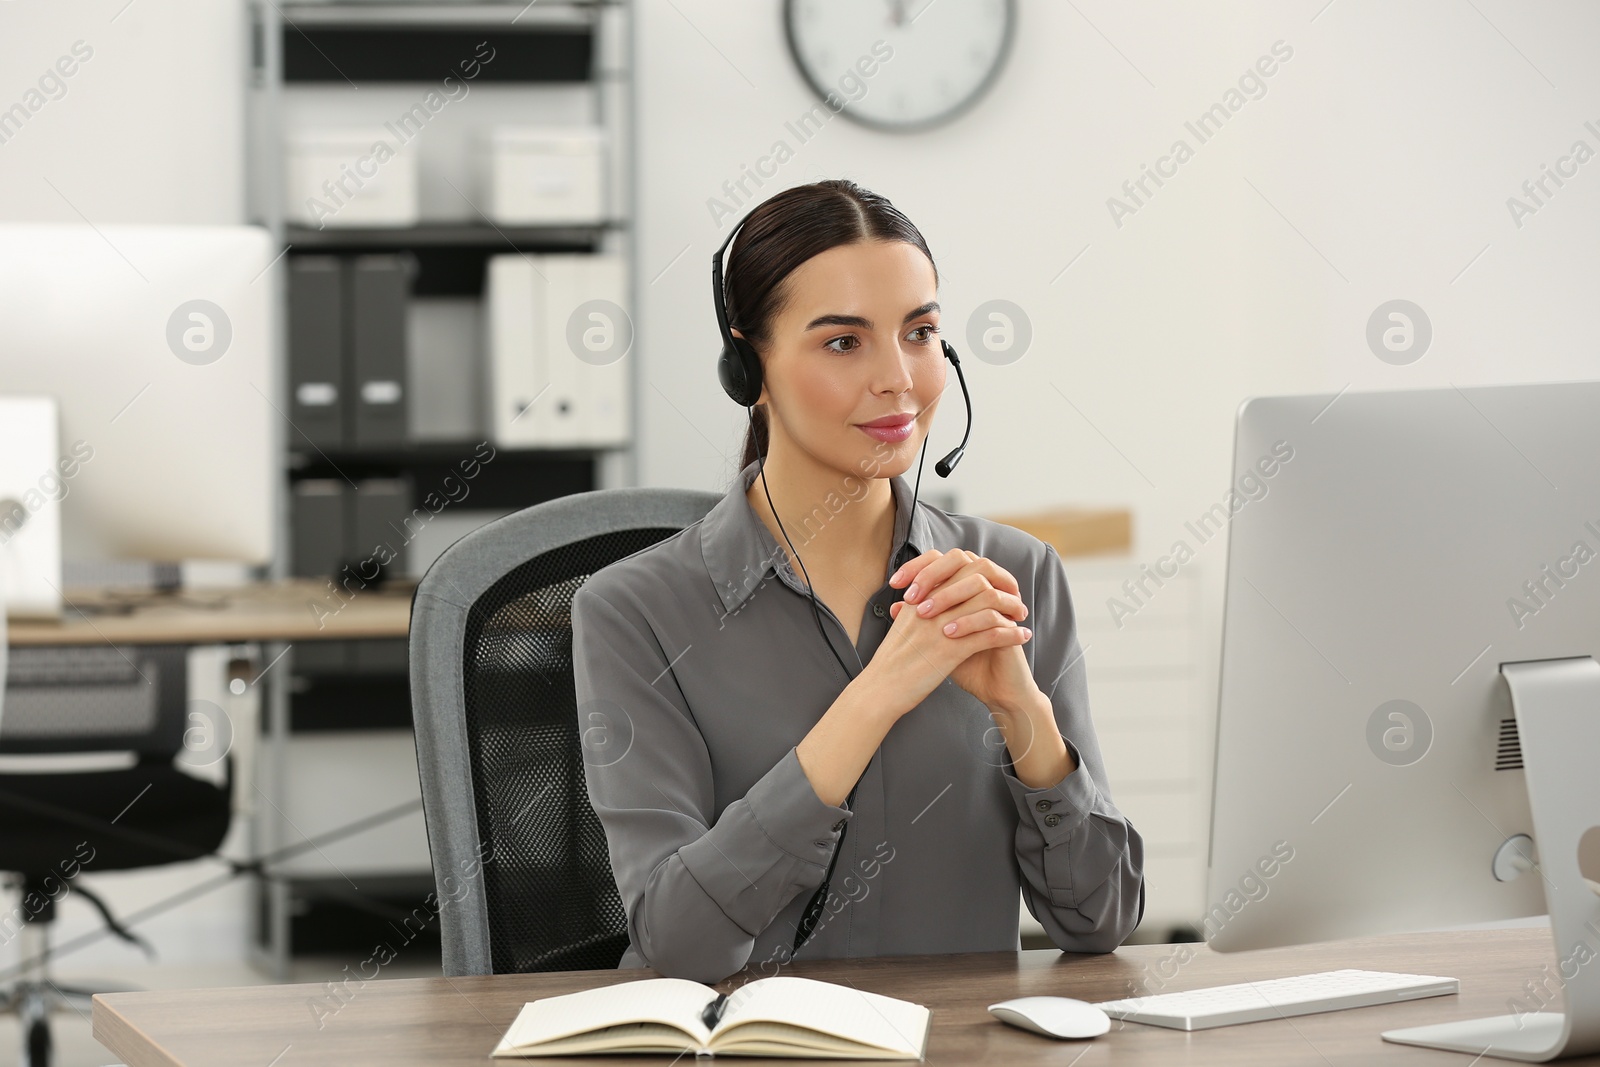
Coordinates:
[1508,754]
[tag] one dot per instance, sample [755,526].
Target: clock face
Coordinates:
[899,64]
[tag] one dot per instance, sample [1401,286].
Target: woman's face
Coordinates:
[855,341]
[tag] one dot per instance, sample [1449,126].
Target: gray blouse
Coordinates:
[697,676]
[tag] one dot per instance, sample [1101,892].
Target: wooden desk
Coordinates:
[438,1021]
[295,609]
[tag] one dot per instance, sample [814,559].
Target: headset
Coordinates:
[739,370]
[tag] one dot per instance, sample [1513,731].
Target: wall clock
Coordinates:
[900,65]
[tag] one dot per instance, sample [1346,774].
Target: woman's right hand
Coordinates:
[916,655]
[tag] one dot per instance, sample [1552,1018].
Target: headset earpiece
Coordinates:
[739,370]
[738,366]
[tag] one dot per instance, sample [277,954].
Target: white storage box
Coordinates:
[536,175]
[350,177]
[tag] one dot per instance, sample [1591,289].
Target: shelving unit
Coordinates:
[484,239]
[350,63]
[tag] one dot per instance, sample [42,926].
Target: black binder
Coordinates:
[378,526]
[379,533]
[316,353]
[379,287]
[317,513]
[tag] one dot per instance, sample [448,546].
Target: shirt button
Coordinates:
[879,611]
[1042,805]
[839,825]
[1052,819]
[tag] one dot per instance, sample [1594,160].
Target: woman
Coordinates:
[733,734]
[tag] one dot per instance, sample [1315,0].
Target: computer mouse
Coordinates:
[1053,1016]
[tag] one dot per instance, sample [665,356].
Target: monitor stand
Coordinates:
[1557,707]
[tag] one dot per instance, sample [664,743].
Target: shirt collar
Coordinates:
[740,551]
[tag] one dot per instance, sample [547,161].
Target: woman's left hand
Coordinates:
[999,677]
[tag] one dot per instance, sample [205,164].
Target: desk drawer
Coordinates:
[1174,890]
[1160,751]
[1168,647]
[1094,585]
[1113,699]
[1165,819]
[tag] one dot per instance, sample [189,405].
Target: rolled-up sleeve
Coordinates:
[1082,862]
[697,892]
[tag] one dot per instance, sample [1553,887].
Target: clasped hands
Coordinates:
[974,604]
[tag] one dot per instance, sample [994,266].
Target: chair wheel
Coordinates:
[38,1051]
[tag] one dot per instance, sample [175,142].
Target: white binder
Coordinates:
[559,341]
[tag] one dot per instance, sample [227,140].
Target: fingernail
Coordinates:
[949,627]
[895,577]
[1026,633]
[911,593]
[925,608]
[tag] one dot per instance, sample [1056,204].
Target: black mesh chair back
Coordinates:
[110,699]
[520,861]
[95,698]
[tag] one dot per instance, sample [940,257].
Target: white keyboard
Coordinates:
[1277,998]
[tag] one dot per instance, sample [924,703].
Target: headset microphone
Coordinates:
[948,463]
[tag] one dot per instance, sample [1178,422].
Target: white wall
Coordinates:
[147,129]
[1390,141]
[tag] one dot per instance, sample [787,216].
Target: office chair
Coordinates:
[56,824]
[520,861]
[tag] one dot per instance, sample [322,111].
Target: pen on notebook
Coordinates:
[713,1011]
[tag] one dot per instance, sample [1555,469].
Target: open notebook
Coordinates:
[779,1016]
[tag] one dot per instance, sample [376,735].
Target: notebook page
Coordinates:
[625,1037]
[674,1001]
[781,1039]
[855,1014]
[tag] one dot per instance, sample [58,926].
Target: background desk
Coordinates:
[273,616]
[284,610]
[459,1020]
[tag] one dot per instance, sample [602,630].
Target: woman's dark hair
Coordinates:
[783,232]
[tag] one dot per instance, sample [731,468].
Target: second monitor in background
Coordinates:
[156,342]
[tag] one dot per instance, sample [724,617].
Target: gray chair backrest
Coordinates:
[520,861]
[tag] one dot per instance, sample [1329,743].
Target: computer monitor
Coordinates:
[31,479]
[1411,643]
[157,343]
